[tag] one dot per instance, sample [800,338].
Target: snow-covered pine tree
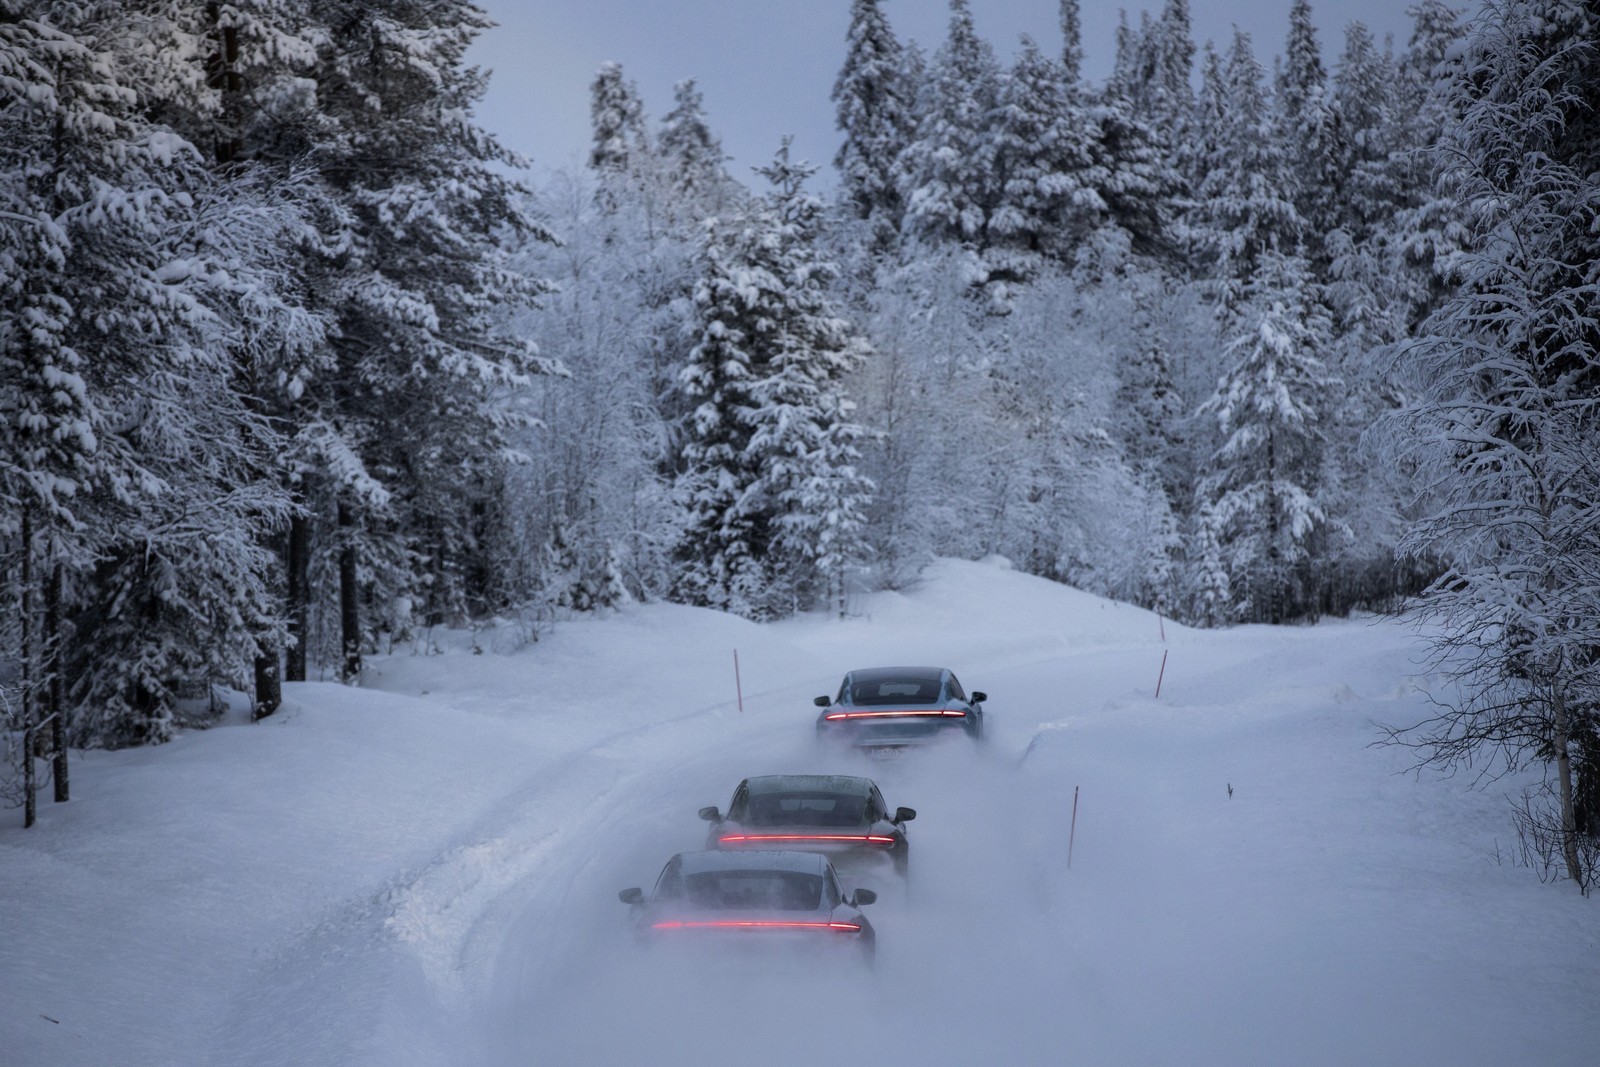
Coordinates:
[947,171]
[616,113]
[1243,208]
[1071,45]
[1429,233]
[1263,483]
[769,488]
[875,99]
[1164,65]
[158,564]
[1506,425]
[1043,166]
[1307,130]
[1132,170]
[238,89]
[806,442]
[418,286]
[722,551]
[1208,593]
[692,155]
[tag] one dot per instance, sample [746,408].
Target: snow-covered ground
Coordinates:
[424,871]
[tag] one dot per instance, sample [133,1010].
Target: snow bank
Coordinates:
[424,871]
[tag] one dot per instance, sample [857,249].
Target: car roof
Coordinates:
[810,783]
[753,860]
[872,674]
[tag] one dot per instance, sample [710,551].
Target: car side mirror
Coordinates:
[822,702]
[711,814]
[863,896]
[904,814]
[631,896]
[979,697]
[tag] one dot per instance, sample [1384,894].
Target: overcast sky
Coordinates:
[766,67]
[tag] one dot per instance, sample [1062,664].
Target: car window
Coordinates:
[764,890]
[736,806]
[805,809]
[832,895]
[878,808]
[870,691]
[955,689]
[670,885]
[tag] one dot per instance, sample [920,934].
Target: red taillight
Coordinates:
[945,714]
[675,924]
[853,839]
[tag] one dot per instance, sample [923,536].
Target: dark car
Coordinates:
[761,901]
[882,710]
[840,816]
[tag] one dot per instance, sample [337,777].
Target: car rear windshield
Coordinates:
[765,890]
[897,690]
[805,809]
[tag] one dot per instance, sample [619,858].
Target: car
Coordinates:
[840,816]
[884,710]
[766,900]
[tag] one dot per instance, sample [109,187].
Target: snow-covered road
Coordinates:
[448,851]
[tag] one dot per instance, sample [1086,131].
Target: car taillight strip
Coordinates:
[859,839]
[676,924]
[946,714]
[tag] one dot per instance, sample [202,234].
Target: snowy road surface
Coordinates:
[425,871]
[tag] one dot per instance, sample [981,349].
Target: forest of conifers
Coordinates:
[295,364]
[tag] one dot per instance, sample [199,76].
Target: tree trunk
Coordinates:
[299,595]
[269,685]
[1561,739]
[226,77]
[30,811]
[349,604]
[56,706]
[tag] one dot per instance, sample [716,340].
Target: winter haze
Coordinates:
[399,549]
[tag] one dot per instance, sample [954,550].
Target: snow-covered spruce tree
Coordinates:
[131,282]
[875,99]
[1132,168]
[1362,198]
[691,155]
[233,79]
[616,114]
[1506,427]
[769,488]
[1429,234]
[806,439]
[1261,489]
[1308,132]
[417,285]
[1243,208]
[1071,44]
[1160,83]
[1371,311]
[1043,166]
[947,174]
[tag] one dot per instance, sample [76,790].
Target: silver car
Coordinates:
[765,901]
[841,816]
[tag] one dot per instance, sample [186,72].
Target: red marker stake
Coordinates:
[1072,834]
[738,687]
[1161,675]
